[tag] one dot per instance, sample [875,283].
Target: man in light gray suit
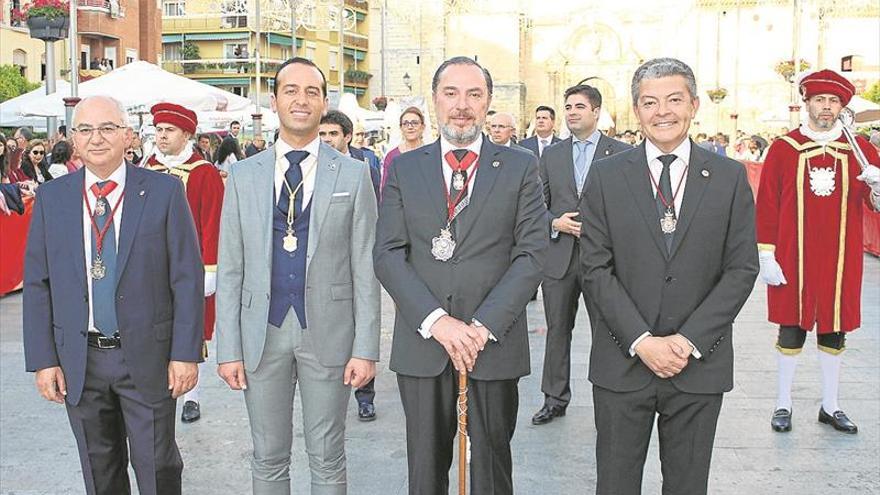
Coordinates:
[669,258]
[297,298]
[564,169]
[461,262]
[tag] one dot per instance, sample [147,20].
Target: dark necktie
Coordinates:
[104,288]
[294,176]
[666,191]
[453,191]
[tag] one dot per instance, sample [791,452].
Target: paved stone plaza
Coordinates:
[38,455]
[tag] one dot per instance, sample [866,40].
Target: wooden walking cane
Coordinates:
[463,439]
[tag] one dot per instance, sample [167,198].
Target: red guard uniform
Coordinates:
[204,192]
[809,211]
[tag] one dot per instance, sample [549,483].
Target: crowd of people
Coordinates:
[278,255]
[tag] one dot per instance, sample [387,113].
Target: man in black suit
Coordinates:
[460,263]
[669,258]
[545,120]
[564,169]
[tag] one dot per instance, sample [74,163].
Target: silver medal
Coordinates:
[822,181]
[289,242]
[98,269]
[443,246]
[667,223]
[100,209]
[457,181]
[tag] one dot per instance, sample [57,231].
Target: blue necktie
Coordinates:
[580,165]
[104,289]
[294,177]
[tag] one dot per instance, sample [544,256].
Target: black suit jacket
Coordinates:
[501,242]
[531,143]
[638,286]
[562,196]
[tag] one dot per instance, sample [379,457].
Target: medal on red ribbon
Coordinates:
[443,246]
[668,223]
[98,270]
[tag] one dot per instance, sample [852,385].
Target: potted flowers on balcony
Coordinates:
[717,95]
[47,20]
[787,70]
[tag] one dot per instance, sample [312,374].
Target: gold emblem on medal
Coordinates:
[98,269]
[443,246]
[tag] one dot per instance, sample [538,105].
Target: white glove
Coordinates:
[771,272]
[210,283]
[871,177]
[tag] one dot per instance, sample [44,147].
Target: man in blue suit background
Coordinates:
[114,334]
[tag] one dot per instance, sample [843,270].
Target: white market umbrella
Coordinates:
[142,84]
[864,110]
[13,110]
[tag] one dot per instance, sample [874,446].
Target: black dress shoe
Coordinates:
[191,412]
[366,412]
[781,420]
[547,413]
[838,420]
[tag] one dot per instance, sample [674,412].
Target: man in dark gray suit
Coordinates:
[564,169]
[461,263]
[669,258]
[545,119]
[114,334]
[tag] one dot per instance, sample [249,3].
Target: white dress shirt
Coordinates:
[677,174]
[118,177]
[445,147]
[307,167]
[541,143]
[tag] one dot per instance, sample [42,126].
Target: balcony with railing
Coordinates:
[111,7]
[220,67]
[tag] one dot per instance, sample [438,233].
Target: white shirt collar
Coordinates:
[682,151]
[282,148]
[822,137]
[175,160]
[446,146]
[118,176]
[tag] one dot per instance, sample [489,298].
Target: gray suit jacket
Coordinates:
[562,196]
[696,290]
[342,293]
[501,241]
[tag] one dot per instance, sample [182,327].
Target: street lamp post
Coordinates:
[73,41]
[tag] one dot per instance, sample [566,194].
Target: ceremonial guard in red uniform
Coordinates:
[809,231]
[175,154]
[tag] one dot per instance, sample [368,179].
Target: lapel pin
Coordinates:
[607,152]
[332,165]
[496,164]
[704,173]
[141,193]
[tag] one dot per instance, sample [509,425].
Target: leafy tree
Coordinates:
[873,93]
[12,83]
[190,51]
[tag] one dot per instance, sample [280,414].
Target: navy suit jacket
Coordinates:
[160,282]
[531,143]
[370,158]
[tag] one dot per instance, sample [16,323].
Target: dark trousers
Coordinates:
[686,428]
[560,308]
[367,393]
[431,424]
[113,421]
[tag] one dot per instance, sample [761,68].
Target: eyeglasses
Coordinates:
[107,130]
[410,123]
[38,152]
[129,152]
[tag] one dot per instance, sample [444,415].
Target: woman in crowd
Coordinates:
[33,163]
[412,127]
[4,160]
[61,159]
[228,153]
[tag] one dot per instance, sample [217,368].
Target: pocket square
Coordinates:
[341,194]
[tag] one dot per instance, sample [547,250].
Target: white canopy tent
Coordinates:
[12,110]
[140,85]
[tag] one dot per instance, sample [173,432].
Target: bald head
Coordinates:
[501,127]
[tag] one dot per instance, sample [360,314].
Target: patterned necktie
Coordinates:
[580,165]
[453,191]
[104,288]
[294,176]
[665,186]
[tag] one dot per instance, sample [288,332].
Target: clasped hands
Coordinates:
[567,224]
[461,341]
[664,356]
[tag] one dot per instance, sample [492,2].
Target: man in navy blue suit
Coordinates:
[113,313]
[545,121]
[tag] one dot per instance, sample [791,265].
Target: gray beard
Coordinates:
[460,138]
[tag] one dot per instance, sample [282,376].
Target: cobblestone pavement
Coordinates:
[38,455]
